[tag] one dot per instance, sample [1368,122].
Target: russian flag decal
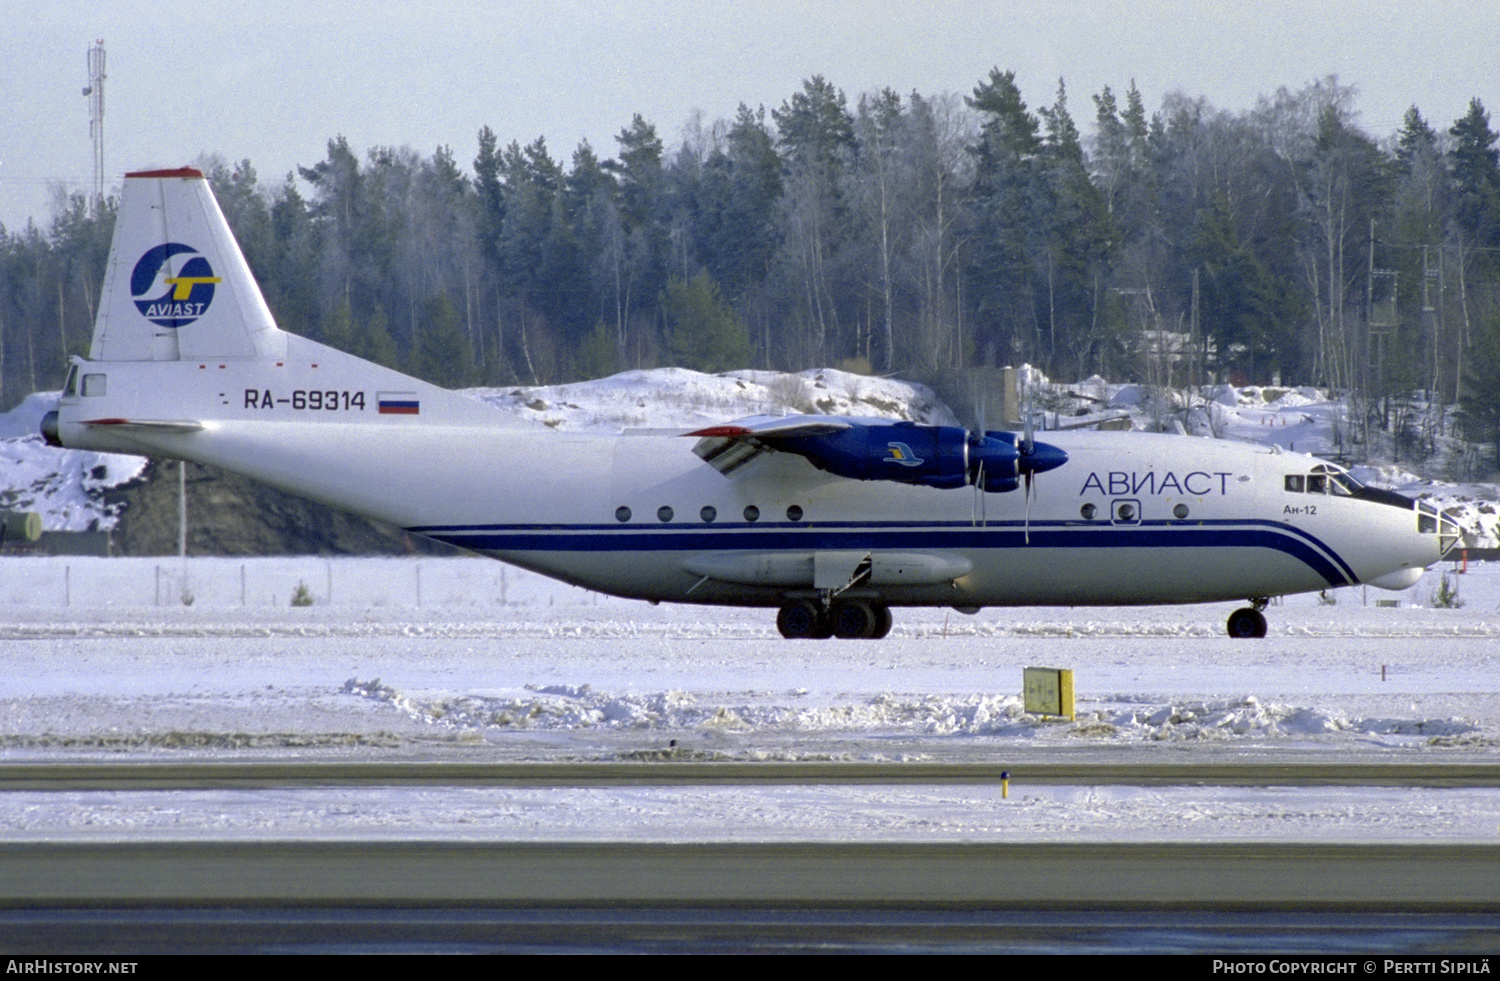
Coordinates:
[398,403]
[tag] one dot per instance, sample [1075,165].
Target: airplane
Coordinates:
[832,521]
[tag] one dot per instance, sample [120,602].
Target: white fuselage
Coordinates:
[1128,519]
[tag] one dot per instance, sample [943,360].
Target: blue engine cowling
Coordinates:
[995,462]
[944,457]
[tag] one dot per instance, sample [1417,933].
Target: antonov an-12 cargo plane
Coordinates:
[832,520]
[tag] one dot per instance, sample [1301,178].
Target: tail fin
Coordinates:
[177,286]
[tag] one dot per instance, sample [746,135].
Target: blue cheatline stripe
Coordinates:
[917,536]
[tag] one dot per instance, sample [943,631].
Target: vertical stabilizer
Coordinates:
[177,286]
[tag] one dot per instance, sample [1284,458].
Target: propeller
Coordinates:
[1034,457]
[1027,525]
[1029,442]
[1001,461]
[980,511]
[1028,447]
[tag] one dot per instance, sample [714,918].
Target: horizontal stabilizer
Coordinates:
[151,425]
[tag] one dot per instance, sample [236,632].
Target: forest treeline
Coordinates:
[896,234]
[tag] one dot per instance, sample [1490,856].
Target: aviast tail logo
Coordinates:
[168,298]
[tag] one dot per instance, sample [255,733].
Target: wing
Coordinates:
[730,446]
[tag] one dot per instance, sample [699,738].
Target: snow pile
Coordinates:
[1250,717]
[66,487]
[582,707]
[679,398]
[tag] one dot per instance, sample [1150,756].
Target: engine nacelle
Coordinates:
[932,456]
[995,462]
[944,457]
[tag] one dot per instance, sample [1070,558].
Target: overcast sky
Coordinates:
[273,81]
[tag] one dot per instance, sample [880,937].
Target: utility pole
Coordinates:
[95,93]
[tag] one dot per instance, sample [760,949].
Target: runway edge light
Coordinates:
[1049,691]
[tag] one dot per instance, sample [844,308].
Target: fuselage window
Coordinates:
[752,513]
[1295,482]
[708,513]
[94,385]
[1180,512]
[1317,483]
[622,514]
[1088,511]
[664,513]
[794,513]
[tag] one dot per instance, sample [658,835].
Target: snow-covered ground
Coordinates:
[465,659]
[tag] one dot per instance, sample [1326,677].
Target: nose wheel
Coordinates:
[1247,622]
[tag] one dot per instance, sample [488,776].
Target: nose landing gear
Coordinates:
[1249,621]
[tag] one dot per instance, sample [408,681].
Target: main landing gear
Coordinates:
[1249,621]
[850,619]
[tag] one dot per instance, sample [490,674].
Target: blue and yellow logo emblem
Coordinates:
[188,292]
[902,454]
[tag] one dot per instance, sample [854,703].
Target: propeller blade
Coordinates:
[1029,440]
[1027,525]
[978,495]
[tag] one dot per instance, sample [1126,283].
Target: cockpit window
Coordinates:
[1343,484]
[1323,479]
[1339,481]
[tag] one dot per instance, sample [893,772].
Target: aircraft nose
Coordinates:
[1043,457]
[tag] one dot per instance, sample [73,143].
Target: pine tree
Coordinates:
[1475,163]
[816,138]
[703,331]
[1009,189]
[442,353]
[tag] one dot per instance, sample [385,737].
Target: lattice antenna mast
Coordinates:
[95,93]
